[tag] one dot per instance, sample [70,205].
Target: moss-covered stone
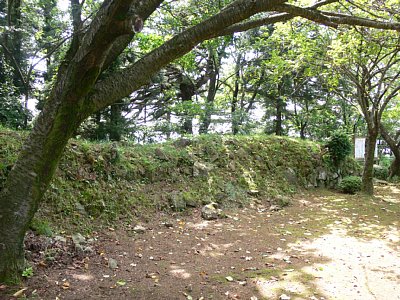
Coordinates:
[100,182]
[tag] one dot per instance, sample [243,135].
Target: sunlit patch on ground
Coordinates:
[215,250]
[351,268]
[200,225]
[82,277]
[179,272]
[358,269]
[351,251]
[390,193]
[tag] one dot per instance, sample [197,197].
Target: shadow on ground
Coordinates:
[325,246]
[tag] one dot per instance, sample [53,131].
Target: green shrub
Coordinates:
[381,173]
[394,179]
[385,161]
[350,184]
[339,146]
[41,227]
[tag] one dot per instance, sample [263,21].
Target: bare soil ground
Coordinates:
[324,246]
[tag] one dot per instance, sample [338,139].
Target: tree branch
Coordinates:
[123,83]
[272,19]
[335,19]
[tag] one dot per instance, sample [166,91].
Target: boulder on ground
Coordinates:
[211,211]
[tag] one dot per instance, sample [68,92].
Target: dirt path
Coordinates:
[324,246]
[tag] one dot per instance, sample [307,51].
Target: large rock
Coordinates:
[312,181]
[211,211]
[177,202]
[322,174]
[201,169]
[78,239]
[159,153]
[182,143]
[139,229]
[291,176]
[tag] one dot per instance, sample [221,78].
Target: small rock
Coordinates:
[160,154]
[112,264]
[284,297]
[229,278]
[253,192]
[211,211]
[201,169]
[59,238]
[274,208]
[88,250]
[139,229]
[80,208]
[78,239]
[168,224]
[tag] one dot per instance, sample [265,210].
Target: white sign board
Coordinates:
[359,148]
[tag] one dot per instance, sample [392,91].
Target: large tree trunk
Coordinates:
[62,114]
[26,184]
[368,173]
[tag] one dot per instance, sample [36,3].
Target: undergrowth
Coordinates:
[99,183]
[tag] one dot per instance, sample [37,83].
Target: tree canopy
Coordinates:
[164,60]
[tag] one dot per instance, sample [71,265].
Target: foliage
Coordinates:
[339,147]
[41,227]
[381,173]
[12,112]
[99,183]
[350,184]
[385,161]
[28,272]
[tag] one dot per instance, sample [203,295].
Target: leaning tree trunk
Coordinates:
[27,182]
[368,173]
[63,112]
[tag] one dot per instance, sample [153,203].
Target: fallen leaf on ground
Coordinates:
[121,282]
[66,285]
[19,293]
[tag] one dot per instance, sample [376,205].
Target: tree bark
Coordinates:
[279,116]
[116,119]
[186,92]
[394,169]
[234,103]
[368,172]
[213,66]
[212,89]
[62,114]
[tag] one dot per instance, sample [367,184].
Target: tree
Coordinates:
[373,71]
[77,93]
